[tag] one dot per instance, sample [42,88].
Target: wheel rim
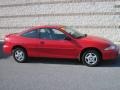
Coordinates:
[91,58]
[19,55]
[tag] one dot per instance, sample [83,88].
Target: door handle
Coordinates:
[42,42]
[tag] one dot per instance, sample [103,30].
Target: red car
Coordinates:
[59,42]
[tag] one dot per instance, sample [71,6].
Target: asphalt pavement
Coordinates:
[57,74]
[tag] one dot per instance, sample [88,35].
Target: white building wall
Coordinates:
[96,17]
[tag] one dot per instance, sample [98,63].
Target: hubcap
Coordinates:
[91,58]
[19,55]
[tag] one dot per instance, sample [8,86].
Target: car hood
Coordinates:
[94,39]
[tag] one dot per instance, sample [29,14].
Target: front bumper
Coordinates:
[111,54]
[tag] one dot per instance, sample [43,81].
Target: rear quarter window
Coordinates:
[31,34]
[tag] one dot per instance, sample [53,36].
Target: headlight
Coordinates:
[112,47]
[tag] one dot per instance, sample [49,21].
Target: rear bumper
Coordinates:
[111,54]
[7,49]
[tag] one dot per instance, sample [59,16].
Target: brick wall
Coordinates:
[96,17]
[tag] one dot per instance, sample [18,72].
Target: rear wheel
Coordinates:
[91,58]
[19,55]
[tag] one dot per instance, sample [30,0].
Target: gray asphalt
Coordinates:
[57,74]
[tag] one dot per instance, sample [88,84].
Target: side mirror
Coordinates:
[67,38]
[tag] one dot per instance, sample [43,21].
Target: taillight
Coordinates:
[6,38]
[8,35]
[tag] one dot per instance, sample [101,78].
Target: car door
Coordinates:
[30,40]
[53,44]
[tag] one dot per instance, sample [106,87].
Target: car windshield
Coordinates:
[73,32]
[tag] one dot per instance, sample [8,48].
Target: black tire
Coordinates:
[21,58]
[91,58]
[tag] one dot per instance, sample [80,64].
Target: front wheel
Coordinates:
[91,58]
[19,55]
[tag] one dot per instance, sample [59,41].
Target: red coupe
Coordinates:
[59,42]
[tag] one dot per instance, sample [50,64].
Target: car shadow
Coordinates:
[2,54]
[107,63]
[53,61]
[111,63]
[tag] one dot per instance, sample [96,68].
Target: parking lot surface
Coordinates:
[57,74]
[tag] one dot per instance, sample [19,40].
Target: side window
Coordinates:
[45,34]
[57,35]
[31,34]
